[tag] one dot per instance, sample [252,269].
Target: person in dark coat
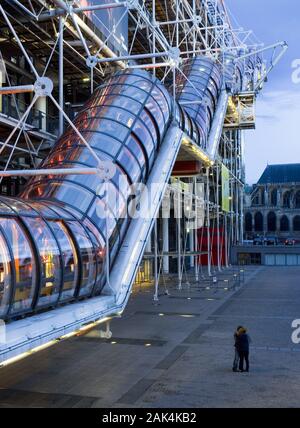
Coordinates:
[242,345]
[236,354]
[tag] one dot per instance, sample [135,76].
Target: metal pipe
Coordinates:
[208,223]
[21,6]
[156,279]
[133,57]
[61,75]
[150,66]
[218,217]
[50,171]
[165,226]
[99,7]
[179,233]
[22,89]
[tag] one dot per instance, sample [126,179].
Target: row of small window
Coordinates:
[258,226]
[289,200]
[44,263]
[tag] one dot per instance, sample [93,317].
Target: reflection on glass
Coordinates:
[69,257]
[88,259]
[50,280]
[5,277]
[65,192]
[5,209]
[99,246]
[24,264]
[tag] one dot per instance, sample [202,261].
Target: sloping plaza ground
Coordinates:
[175,354]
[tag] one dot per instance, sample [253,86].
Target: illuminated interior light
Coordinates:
[187,316]
[52,343]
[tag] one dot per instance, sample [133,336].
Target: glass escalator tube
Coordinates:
[50,259]
[124,121]
[198,94]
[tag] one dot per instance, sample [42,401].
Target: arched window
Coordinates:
[248,222]
[259,222]
[296,223]
[284,224]
[287,200]
[271,222]
[274,197]
[297,200]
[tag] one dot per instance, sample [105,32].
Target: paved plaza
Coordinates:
[175,354]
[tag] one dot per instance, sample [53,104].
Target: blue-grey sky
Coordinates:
[277,135]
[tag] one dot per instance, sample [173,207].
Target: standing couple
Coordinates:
[241,344]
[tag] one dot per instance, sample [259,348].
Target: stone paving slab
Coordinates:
[180,359]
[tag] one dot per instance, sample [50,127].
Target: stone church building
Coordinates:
[273,208]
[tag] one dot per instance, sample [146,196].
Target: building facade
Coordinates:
[274,206]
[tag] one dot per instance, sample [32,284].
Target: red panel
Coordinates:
[186,168]
[202,243]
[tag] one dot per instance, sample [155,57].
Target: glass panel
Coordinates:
[97,214]
[108,126]
[83,155]
[69,257]
[66,212]
[50,280]
[5,277]
[24,264]
[161,101]
[5,209]
[34,191]
[100,253]
[19,207]
[134,92]
[87,258]
[144,136]
[120,115]
[156,113]
[121,182]
[129,163]
[44,210]
[105,142]
[57,157]
[124,102]
[148,120]
[134,146]
[69,193]
[111,196]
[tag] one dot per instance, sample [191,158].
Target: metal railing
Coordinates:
[40,120]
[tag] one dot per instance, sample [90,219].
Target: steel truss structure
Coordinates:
[55,56]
